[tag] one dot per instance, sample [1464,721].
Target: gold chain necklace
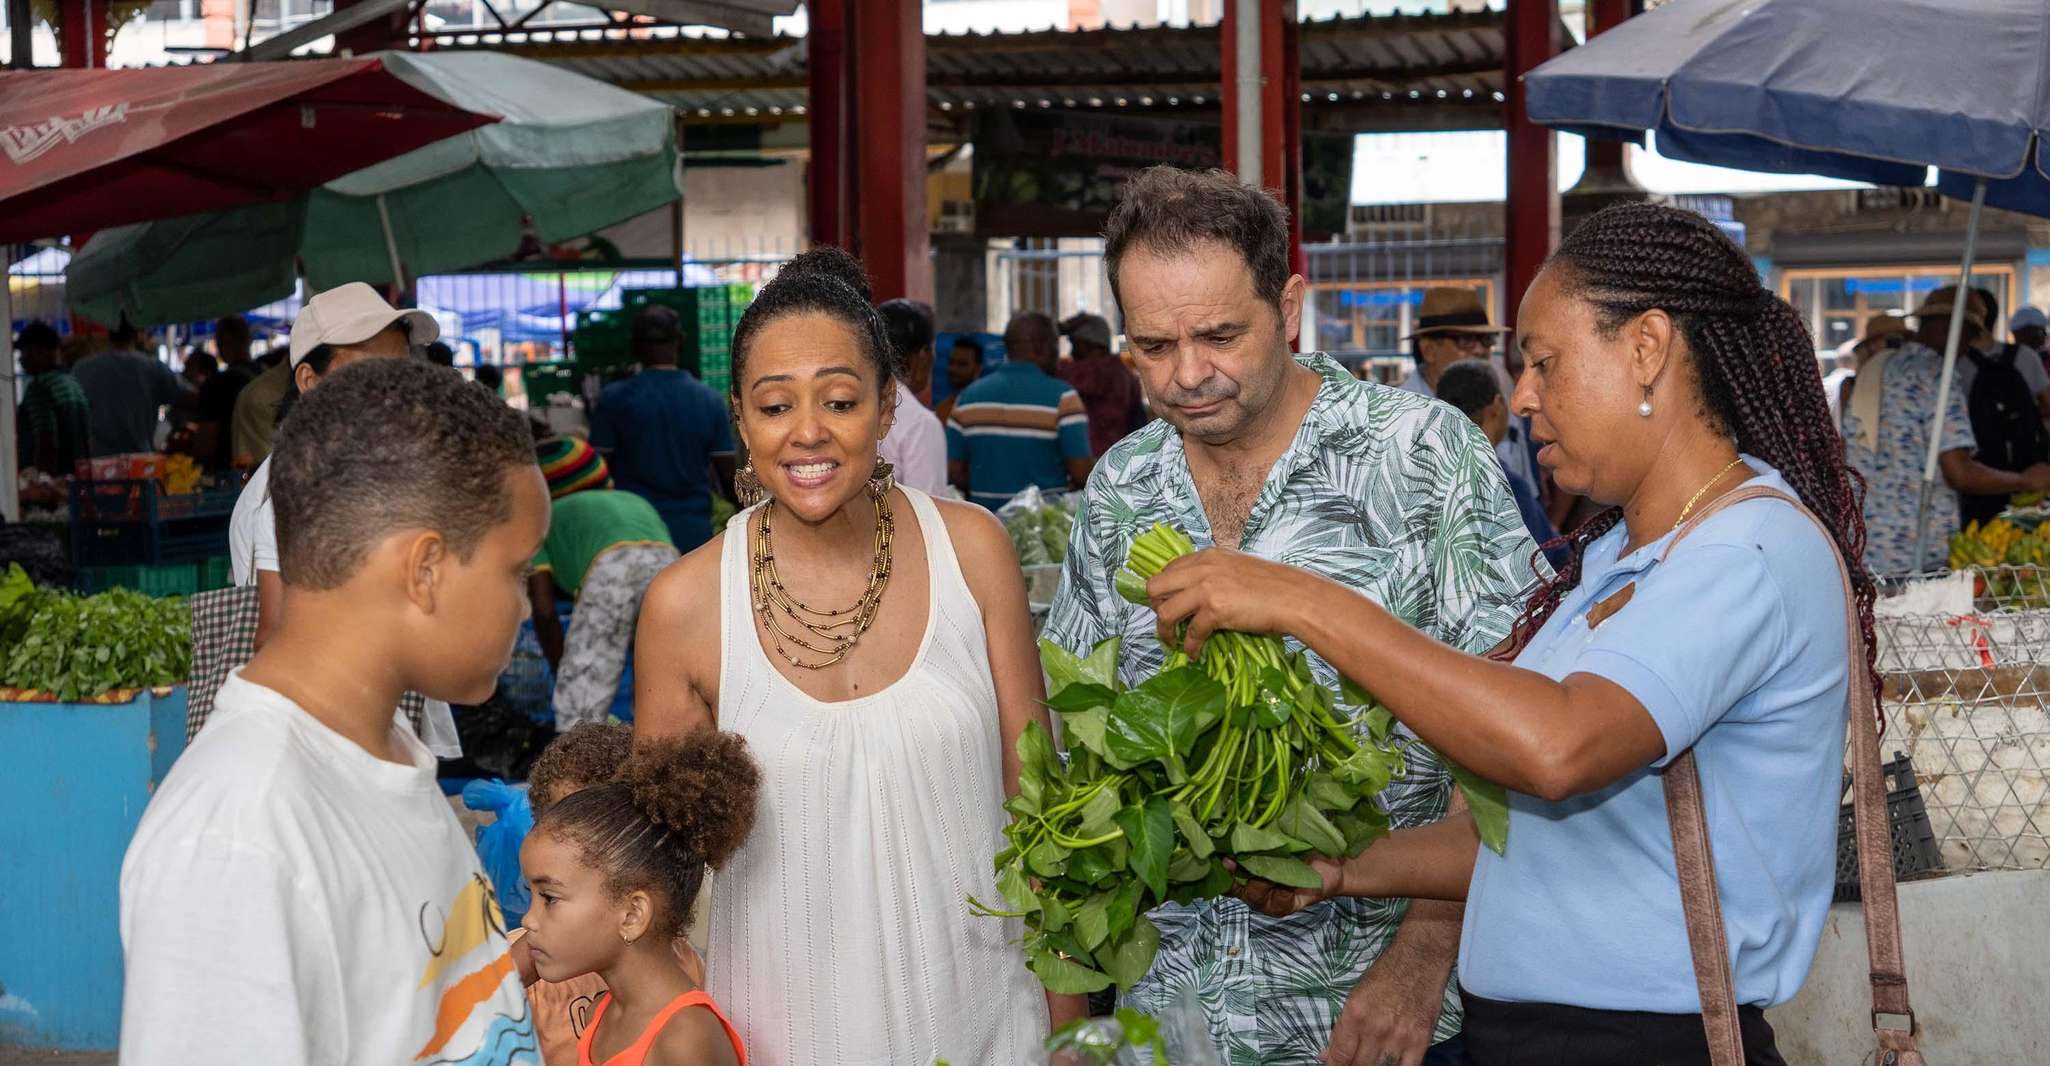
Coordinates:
[837,631]
[1689,509]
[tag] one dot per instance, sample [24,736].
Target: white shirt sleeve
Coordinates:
[916,446]
[225,961]
[264,549]
[2030,365]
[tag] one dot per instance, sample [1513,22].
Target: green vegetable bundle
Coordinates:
[1040,533]
[78,647]
[1241,754]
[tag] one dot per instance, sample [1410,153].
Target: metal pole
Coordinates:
[10,480]
[1957,329]
[20,27]
[391,247]
[1246,102]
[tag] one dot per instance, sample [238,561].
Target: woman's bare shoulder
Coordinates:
[678,594]
[977,535]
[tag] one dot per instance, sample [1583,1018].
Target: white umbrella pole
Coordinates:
[1957,329]
[391,247]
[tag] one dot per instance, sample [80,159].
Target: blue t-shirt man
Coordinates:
[662,431]
[1019,425]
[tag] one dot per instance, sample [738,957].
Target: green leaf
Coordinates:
[1193,835]
[1247,839]
[1101,667]
[1062,667]
[1186,867]
[1092,920]
[1053,915]
[1066,977]
[1362,826]
[1301,820]
[1080,697]
[1127,958]
[1086,729]
[1351,692]
[1097,814]
[1329,794]
[1036,764]
[1282,870]
[1150,831]
[1370,768]
[1488,803]
[1017,891]
[1124,907]
[1139,1028]
[1189,701]
[1091,865]
[1380,724]
[1047,859]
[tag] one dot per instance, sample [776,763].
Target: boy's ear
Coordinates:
[427,559]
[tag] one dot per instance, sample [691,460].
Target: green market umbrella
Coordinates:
[572,156]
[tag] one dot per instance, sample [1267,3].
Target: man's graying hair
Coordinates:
[1171,211]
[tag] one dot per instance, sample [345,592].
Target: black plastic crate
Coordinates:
[1915,854]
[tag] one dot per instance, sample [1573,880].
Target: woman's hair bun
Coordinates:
[701,786]
[828,261]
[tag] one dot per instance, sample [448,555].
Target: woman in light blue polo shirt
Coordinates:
[1660,378]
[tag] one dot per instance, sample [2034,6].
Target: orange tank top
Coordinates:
[637,1052]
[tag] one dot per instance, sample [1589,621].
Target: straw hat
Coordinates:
[1943,300]
[1881,326]
[1447,310]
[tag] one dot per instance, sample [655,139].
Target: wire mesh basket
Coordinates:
[1965,663]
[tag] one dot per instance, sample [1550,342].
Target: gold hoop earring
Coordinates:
[747,486]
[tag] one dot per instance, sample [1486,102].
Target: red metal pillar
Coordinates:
[82,33]
[828,108]
[1281,110]
[1531,214]
[891,229]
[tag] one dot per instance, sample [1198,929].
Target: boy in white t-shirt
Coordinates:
[299,890]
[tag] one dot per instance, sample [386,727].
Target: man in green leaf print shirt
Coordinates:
[1288,457]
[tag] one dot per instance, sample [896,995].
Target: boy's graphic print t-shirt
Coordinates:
[290,899]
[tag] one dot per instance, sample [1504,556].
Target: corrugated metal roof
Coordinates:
[1445,69]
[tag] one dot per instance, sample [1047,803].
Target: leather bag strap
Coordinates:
[1893,1022]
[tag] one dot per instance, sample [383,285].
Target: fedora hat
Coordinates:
[1448,310]
[1942,301]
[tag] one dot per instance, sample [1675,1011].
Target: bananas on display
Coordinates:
[2012,563]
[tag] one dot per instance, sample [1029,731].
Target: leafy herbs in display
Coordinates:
[1040,533]
[79,647]
[1241,754]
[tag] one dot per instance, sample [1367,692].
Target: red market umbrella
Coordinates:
[88,149]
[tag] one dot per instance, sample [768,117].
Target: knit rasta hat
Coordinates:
[571,465]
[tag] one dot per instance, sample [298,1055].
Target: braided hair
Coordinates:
[823,281]
[1753,362]
[678,805]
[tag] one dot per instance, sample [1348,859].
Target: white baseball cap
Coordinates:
[2025,318]
[351,314]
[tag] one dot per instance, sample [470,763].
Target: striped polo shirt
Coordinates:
[1017,427]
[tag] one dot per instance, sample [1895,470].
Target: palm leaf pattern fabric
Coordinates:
[1395,495]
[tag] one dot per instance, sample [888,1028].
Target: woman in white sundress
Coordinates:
[874,647]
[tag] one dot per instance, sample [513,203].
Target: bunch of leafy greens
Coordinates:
[18,599]
[1040,533]
[79,647]
[1240,754]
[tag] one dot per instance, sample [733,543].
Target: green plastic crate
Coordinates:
[543,380]
[216,573]
[168,579]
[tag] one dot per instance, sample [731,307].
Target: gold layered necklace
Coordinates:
[832,633]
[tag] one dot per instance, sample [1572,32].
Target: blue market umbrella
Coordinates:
[1875,92]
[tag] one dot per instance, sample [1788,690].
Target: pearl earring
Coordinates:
[1644,409]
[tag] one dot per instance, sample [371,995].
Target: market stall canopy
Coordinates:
[88,149]
[572,156]
[1844,88]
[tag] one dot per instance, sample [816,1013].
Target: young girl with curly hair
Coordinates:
[615,869]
